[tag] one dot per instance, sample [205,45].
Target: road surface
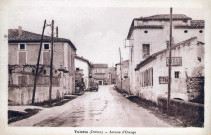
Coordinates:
[105,108]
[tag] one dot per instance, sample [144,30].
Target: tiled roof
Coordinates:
[159,17]
[100,65]
[27,36]
[188,27]
[197,22]
[194,24]
[165,17]
[143,27]
[123,62]
[83,59]
[153,56]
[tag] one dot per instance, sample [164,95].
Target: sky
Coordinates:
[97,32]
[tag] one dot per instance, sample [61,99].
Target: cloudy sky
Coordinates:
[97,32]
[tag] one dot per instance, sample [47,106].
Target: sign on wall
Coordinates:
[163,79]
[175,61]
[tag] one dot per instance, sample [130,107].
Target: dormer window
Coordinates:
[22,46]
[46,46]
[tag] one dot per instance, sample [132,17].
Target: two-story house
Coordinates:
[122,74]
[100,73]
[149,35]
[23,48]
[85,65]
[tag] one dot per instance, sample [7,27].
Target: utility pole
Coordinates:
[51,64]
[120,67]
[38,62]
[169,73]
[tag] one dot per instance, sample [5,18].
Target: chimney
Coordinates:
[57,32]
[19,30]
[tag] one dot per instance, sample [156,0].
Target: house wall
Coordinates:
[83,65]
[23,95]
[191,67]
[157,39]
[63,56]
[100,74]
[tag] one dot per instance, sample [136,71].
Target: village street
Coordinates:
[105,108]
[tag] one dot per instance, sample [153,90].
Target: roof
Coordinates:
[165,17]
[197,22]
[194,24]
[125,61]
[143,27]
[27,37]
[100,65]
[83,59]
[159,17]
[153,56]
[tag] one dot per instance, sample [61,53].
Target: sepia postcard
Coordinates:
[105,67]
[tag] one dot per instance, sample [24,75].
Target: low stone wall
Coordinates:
[191,113]
[23,95]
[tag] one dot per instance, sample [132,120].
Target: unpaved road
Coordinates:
[105,108]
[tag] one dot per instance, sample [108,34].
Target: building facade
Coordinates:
[149,35]
[112,75]
[86,66]
[100,74]
[23,48]
[187,74]
[123,72]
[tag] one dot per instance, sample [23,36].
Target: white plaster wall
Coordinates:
[179,34]
[190,65]
[83,65]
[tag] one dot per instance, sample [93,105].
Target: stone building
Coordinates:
[112,75]
[149,35]
[86,66]
[125,78]
[187,68]
[23,48]
[100,74]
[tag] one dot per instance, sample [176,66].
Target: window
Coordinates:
[176,74]
[22,80]
[146,77]
[44,71]
[22,46]
[185,31]
[145,31]
[131,54]
[146,50]
[201,31]
[46,46]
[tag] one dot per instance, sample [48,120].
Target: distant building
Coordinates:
[100,73]
[125,78]
[150,35]
[23,48]
[112,75]
[86,66]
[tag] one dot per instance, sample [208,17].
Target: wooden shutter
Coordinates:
[46,58]
[22,58]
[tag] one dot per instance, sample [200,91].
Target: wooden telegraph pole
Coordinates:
[169,73]
[51,64]
[120,67]
[38,62]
